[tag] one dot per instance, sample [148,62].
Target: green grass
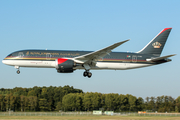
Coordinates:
[91,117]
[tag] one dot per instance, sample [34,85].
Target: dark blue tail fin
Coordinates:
[156,45]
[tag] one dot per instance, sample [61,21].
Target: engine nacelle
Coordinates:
[64,65]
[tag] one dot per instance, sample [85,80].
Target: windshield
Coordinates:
[9,55]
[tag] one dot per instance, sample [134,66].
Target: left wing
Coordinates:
[92,57]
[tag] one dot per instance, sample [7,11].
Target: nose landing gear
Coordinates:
[87,73]
[18,71]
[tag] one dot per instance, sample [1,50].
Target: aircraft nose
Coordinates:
[3,61]
[7,62]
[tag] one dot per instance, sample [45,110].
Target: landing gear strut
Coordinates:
[87,73]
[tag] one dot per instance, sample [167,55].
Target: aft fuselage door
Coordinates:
[134,58]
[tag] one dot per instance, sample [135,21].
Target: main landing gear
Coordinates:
[87,73]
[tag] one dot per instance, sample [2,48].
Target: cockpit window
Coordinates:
[9,55]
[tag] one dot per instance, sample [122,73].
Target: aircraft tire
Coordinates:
[18,72]
[89,74]
[85,74]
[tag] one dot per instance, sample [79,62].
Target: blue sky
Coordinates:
[91,25]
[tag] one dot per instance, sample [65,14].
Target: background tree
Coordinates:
[43,104]
[87,102]
[158,103]
[59,106]
[50,99]
[32,102]
[140,104]
[79,99]
[132,100]
[118,102]
[58,95]
[102,101]
[176,109]
[124,105]
[110,101]
[26,103]
[172,104]
[16,102]
[178,103]
[22,102]
[31,93]
[147,107]
[151,104]
[69,102]
[2,102]
[96,100]
[50,93]
[7,101]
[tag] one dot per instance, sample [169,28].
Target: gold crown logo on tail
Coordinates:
[156,45]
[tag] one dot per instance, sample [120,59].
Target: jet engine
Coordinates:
[64,65]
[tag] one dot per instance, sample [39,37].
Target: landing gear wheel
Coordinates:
[89,74]
[18,71]
[85,74]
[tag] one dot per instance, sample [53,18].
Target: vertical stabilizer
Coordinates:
[156,45]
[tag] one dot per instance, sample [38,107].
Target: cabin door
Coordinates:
[134,58]
[20,54]
[48,56]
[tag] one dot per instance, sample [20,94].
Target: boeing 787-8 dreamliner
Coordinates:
[68,61]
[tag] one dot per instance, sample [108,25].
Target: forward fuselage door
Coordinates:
[47,62]
[20,54]
[134,58]
[48,56]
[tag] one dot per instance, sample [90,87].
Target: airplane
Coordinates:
[68,61]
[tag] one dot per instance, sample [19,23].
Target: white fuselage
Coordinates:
[52,64]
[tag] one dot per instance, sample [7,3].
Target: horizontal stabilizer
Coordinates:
[159,58]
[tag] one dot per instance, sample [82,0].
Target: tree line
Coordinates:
[70,99]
